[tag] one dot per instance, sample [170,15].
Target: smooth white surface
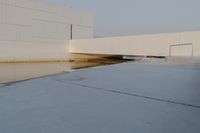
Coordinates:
[142,45]
[133,97]
[32,31]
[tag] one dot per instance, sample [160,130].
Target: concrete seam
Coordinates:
[137,95]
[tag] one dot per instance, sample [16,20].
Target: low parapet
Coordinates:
[165,44]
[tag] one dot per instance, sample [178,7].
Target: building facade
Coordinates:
[31,30]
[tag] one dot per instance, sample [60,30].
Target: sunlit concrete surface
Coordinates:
[124,98]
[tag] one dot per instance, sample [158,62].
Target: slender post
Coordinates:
[71,31]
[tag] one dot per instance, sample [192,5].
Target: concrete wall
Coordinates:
[34,31]
[143,45]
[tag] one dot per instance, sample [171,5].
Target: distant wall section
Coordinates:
[167,44]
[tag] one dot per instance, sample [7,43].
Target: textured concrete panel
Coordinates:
[2,13]
[9,32]
[35,30]
[18,16]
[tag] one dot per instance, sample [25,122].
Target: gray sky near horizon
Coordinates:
[130,17]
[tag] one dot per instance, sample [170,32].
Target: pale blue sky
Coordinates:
[130,17]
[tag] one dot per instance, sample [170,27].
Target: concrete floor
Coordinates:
[122,98]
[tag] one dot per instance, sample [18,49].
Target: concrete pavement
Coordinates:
[127,97]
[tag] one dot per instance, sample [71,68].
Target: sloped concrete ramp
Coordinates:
[123,98]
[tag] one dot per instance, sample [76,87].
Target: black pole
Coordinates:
[71,28]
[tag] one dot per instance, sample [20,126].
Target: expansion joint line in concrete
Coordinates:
[137,95]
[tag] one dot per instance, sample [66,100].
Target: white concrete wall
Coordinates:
[36,31]
[143,45]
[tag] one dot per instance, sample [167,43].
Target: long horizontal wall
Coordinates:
[34,31]
[169,44]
